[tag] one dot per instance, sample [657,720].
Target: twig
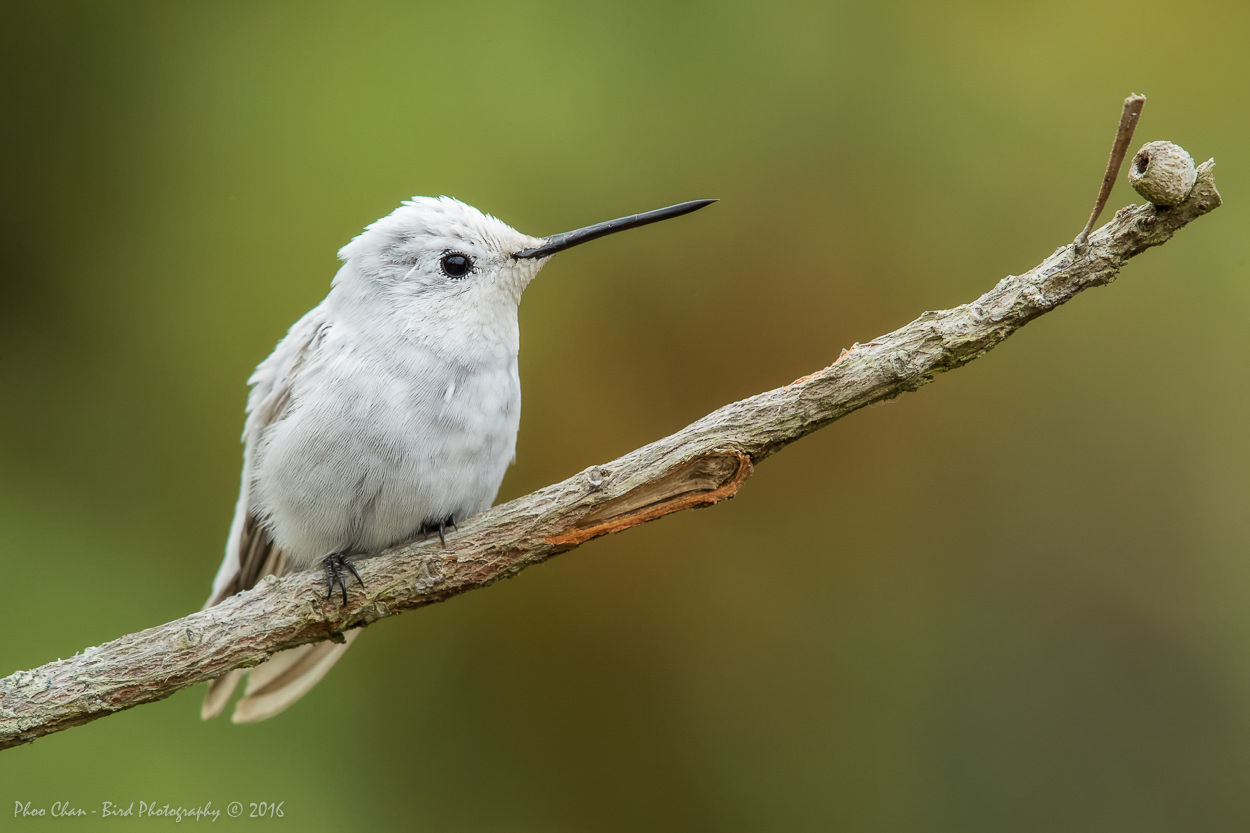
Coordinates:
[1123,135]
[703,463]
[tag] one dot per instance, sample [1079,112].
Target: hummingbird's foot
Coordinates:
[337,568]
[429,528]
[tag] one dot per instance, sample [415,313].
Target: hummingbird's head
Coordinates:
[441,263]
[438,248]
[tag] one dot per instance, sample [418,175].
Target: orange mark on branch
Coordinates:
[682,493]
[806,378]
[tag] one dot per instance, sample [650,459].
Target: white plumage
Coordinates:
[390,407]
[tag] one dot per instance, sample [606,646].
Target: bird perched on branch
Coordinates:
[387,412]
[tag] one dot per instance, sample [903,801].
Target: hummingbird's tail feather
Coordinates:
[278,682]
[219,691]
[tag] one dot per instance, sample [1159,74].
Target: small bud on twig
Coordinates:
[1163,173]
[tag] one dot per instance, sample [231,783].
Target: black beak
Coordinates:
[560,242]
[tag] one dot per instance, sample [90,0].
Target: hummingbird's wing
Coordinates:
[250,552]
[254,556]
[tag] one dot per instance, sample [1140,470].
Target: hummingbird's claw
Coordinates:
[337,568]
[429,528]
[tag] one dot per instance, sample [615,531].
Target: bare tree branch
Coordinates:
[703,463]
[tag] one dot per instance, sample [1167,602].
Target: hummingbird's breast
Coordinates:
[378,443]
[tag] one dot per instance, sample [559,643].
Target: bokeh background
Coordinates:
[1014,600]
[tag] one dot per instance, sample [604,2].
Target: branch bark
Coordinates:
[705,462]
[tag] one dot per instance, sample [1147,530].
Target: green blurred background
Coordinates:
[1014,600]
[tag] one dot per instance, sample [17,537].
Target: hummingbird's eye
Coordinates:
[456,264]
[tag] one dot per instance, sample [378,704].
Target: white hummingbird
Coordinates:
[389,411]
